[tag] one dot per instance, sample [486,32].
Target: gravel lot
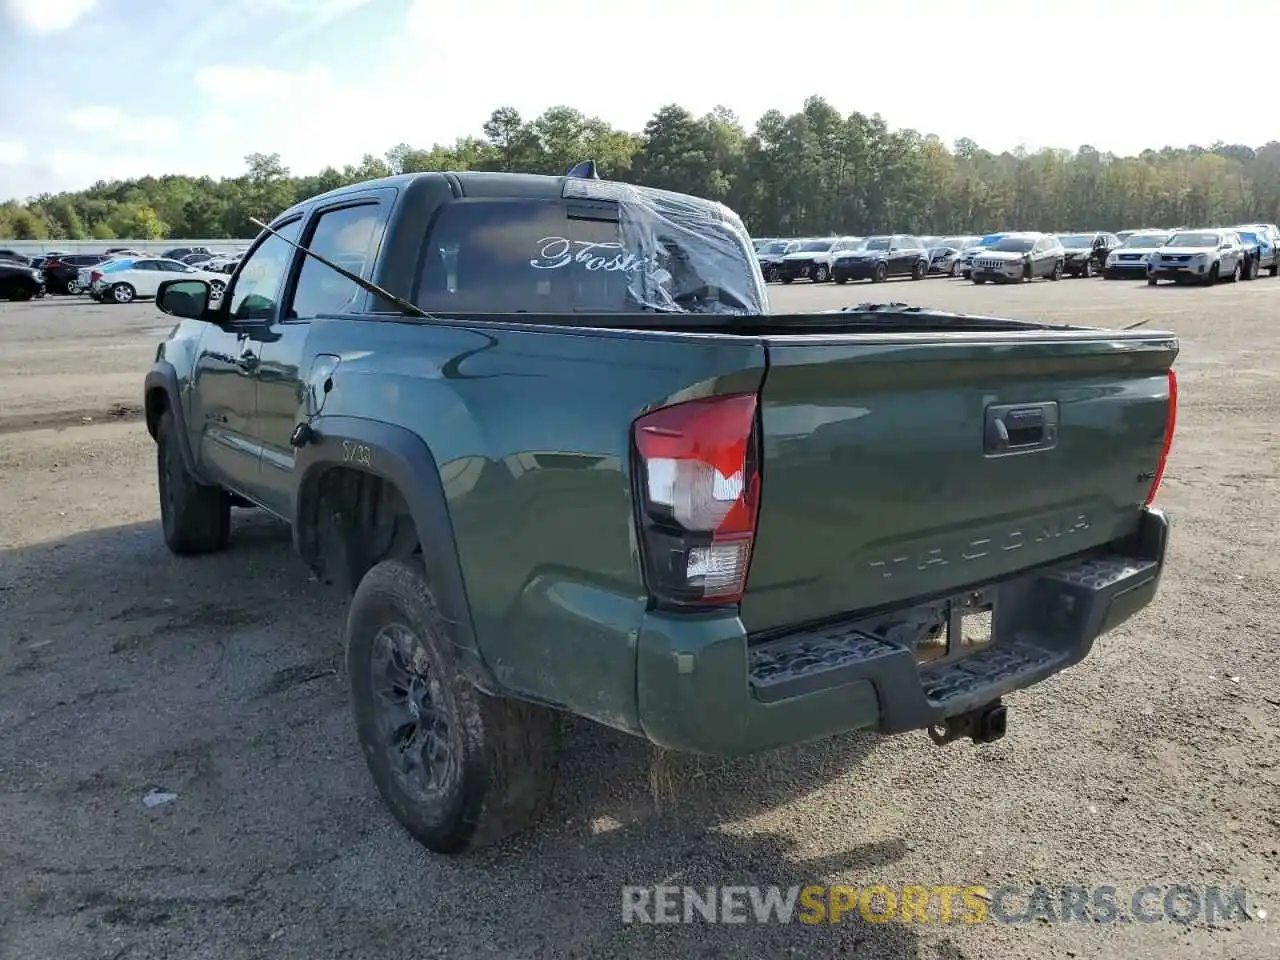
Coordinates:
[123,669]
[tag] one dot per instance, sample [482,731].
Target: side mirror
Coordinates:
[184,298]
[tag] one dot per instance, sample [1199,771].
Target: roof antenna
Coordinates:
[586,170]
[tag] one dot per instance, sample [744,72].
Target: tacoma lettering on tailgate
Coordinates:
[963,551]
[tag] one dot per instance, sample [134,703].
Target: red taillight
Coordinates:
[698,485]
[53,264]
[1168,435]
[95,276]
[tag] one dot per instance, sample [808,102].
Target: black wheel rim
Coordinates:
[411,711]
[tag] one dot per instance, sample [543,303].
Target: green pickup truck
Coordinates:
[548,433]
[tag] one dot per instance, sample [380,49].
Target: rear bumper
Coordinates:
[703,689]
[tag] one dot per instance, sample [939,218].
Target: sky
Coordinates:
[103,89]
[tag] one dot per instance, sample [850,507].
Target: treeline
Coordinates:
[813,172]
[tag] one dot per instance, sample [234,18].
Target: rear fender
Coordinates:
[403,459]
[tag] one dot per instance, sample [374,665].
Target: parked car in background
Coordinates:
[222,264]
[770,257]
[812,259]
[141,278]
[13,256]
[19,281]
[1265,239]
[1130,258]
[1198,256]
[1017,257]
[177,253]
[1086,253]
[62,275]
[86,273]
[944,253]
[879,258]
[965,260]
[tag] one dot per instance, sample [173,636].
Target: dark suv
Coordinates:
[62,274]
[1086,253]
[882,257]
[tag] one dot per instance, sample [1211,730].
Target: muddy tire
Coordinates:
[457,768]
[195,518]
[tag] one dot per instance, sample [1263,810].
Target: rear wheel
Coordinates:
[72,287]
[1089,270]
[456,767]
[881,272]
[821,273]
[920,270]
[122,293]
[1056,273]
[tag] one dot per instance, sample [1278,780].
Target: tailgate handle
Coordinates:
[1020,428]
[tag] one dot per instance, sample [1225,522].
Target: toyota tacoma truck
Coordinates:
[549,435]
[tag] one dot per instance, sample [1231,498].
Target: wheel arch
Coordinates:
[378,473]
[160,396]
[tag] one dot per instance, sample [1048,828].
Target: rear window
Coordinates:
[587,256]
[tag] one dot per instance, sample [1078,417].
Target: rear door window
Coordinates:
[349,236]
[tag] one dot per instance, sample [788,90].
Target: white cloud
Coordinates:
[12,152]
[114,123]
[311,8]
[82,167]
[49,16]
[225,84]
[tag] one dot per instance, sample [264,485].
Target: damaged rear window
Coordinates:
[649,251]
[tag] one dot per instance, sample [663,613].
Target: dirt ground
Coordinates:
[125,670]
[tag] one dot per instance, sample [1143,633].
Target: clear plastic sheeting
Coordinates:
[687,255]
[599,248]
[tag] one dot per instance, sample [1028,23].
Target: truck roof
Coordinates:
[474,183]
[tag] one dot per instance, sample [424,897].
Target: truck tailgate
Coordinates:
[886,476]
